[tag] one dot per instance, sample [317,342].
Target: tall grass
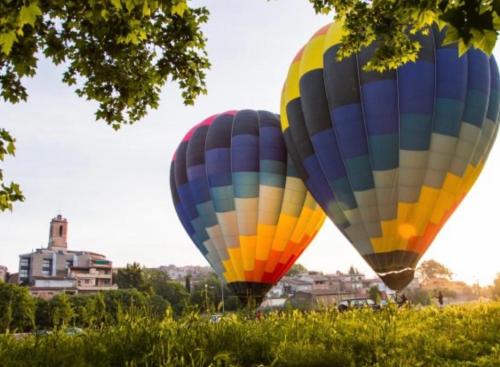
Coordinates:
[466,335]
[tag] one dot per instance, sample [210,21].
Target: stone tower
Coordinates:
[58,233]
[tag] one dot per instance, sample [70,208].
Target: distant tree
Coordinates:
[187,283]
[132,276]
[471,23]
[296,269]
[17,308]
[210,290]
[431,269]
[169,290]
[495,289]
[353,271]
[374,294]
[42,314]
[118,53]
[61,310]
[418,296]
[123,301]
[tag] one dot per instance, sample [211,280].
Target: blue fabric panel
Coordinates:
[187,201]
[448,116]
[316,182]
[344,194]
[217,161]
[415,132]
[360,173]
[272,144]
[416,88]
[272,179]
[328,153]
[197,171]
[475,107]
[199,226]
[494,76]
[223,198]
[494,93]
[350,131]
[479,71]
[219,179]
[184,219]
[291,170]
[384,151]
[199,190]
[245,153]
[272,166]
[380,107]
[246,184]
[493,105]
[208,214]
[451,78]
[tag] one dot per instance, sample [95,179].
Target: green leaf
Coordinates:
[28,14]
[496,21]
[117,4]
[462,47]
[7,40]
[179,8]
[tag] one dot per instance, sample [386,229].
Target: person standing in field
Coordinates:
[440,299]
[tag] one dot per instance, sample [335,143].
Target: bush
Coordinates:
[466,335]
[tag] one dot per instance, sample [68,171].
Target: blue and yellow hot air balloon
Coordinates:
[389,156]
[239,198]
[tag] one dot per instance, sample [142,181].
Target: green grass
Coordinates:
[467,335]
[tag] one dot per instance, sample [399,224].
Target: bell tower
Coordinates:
[58,233]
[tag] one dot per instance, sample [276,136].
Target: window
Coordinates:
[69,264]
[47,267]
[25,262]
[23,273]
[60,231]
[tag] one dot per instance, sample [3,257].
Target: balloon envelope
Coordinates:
[389,156]
[240,200]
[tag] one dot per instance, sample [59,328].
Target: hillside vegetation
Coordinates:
[466,335]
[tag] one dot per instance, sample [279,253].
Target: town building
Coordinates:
[55,269]
[3,274]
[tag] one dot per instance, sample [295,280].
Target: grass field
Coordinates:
[466,335]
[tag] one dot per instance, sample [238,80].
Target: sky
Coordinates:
[114,186]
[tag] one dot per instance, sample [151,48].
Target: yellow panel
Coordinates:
[248,246]
[312,57]
[292,90]
[334,34]
[286,224]
[265,236]
[300,227]
[283,116]
[443,204]
[235,260]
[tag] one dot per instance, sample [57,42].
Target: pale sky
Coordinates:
[114,186]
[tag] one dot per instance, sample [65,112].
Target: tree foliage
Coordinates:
[495,289]
[132,276]
[61,310]
[172,292]
[470,23]
[431,269]
[375,294]
[296,269]
[17,308]
[117,53]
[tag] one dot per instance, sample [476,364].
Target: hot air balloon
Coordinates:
[389,156]
[239,198]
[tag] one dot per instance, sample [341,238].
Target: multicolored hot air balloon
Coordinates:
[240,200]
[389,156]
